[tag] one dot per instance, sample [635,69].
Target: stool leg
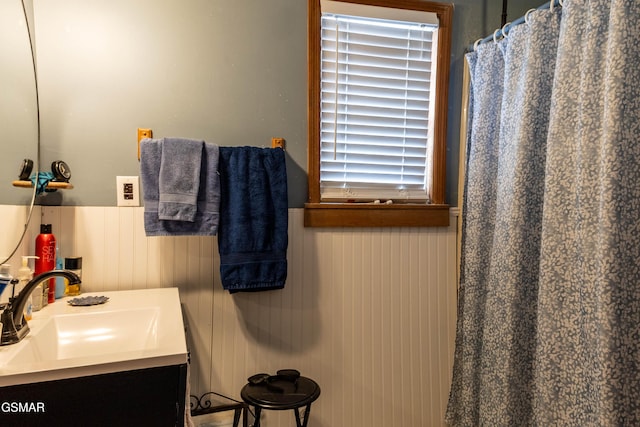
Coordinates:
[257,421]
[306,415]
[236,417]
[299,422]
[297,417]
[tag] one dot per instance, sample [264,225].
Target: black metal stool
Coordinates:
[280,393]
[214,402]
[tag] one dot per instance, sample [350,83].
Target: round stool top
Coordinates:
[281,393]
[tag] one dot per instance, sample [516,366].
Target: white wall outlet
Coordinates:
[128,190]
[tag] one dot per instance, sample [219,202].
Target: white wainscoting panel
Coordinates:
[368,313]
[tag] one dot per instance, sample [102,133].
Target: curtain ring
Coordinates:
[504,29]
[552,4]
[495,35]
[526,16]
[475,45]
[561,3]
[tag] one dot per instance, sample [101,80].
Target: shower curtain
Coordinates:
[549,303]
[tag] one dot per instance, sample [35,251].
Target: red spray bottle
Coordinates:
[46,251]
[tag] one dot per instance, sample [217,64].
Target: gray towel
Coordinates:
[150,159]
[179,179]
[208,205]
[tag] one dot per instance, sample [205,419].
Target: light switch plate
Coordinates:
[128,190]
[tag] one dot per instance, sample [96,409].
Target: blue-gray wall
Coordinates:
[230,72]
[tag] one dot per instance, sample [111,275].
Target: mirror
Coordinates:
[18,111]
[18,115]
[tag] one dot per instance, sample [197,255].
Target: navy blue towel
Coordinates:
[252,232]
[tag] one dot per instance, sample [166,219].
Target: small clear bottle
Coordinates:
[37,297]
[5,276]
[73,264]
[25,274]
[60,281]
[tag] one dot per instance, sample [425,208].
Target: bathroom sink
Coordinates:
[81,335]
[135,329]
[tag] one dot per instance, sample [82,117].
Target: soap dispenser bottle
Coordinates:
[46,253]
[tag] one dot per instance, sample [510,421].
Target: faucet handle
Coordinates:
[13,283]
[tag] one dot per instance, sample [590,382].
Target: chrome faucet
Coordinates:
[14,325]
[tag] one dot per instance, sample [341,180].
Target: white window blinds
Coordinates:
[376,89]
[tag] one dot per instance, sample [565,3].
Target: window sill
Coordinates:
[375,215]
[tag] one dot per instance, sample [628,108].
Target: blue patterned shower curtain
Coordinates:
[549,304]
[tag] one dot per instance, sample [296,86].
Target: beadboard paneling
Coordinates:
[12,225]
[368,313]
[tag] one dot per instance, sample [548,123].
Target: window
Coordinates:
[378,79]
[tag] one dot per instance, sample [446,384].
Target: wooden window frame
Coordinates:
[324,214]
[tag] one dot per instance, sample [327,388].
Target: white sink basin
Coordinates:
[92,334]
[133,330]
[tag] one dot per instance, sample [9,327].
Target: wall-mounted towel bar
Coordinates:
[148,133]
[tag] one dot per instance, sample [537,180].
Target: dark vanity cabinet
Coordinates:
[153,397]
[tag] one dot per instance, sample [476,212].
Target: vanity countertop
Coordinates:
[134,329]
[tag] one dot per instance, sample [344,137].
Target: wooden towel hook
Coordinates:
[142,134]
[277,143]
